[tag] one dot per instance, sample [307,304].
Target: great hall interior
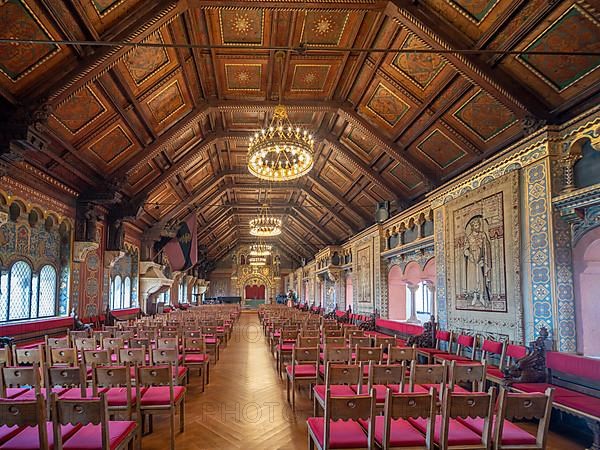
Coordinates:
[299,224]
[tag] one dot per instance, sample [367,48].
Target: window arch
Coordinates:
[26,294]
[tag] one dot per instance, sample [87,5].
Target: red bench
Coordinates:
[32,333]
[576,380]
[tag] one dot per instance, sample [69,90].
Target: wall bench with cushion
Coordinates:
[576,380]
[31,334]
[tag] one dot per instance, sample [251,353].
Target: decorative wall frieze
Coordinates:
[81,249]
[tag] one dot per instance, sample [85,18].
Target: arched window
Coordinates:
[117,289]
[127,292]
[25,294]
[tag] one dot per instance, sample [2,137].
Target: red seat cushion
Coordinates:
[210,340]
[452,357]
[494,372]
[343,434]
[458,433]
[431,351]
[180,371]
[402,433]
[302,370]
[195,358]
[511,433]
[7,432]
[89,437]
[396,388]
[117,396]
[75,393]
[541,387]
[15,392]
[159,395]
[29,394]
[285,347]
[336,390]
[581,402]
[28,438]
[322,370]
[380,391]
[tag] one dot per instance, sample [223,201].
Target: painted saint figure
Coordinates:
[478,262]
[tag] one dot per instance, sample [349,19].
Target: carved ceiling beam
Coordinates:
[104,59]
[374,177]
[439,36]
[224,250]
[219,241]
[290,251]
[348,207]
[307,248]
[308,228]
[393,150]
[68,24]
[328,210]
[307,221]
[359,5]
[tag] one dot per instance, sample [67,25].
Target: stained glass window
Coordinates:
[19,301]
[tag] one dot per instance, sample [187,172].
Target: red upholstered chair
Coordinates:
[24,382]
[56,342]
[385,341]
[113,345]
[450,433]
[67,382]
[17,414]
[156,395]
[134,357]
[360,341]
[98,357]
[335,354]
[195,356]
[364,355]
[493,352]
[308,341]
[85,343]
[507,435]
[383,377]
[303,369]
[343,422]
[339,379]
[283,349]
[423,377]
[95,432]
[443,345]
[398,355]
[115,383]
[139,343]
[394,431]
[63,357]
[28,356]
[161,356]
[465,345]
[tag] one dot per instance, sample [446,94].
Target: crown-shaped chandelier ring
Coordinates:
[257,261]
[265,225]
[260,249]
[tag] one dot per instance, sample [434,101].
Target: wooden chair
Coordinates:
[63,356]
[360,341]
[443,345]
[167,342]
[98,357]
[308,341]
[383,377]
[334,341]
[344,423]
[101,335]
[160,397]
[423,377]
[385,342]
[195,356]
[17,381]
[139,343]
[508,436]
[334,354]
[85,343]
[472,373]
[70,382]
[465,350]
[5,356]
[56,342]
[95,432]
[303,369]
[353,332]
[397,355]
[340,380]
[364,355]
[115,382]
[393,430]
[451,433]
[310,332]
[79,334]
[28,356]
[170,356]
[283,349]
[27,419]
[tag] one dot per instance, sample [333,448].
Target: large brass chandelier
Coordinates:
[282,151]
[265,225]
[257,261]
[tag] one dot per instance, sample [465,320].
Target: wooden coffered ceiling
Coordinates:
[167,125]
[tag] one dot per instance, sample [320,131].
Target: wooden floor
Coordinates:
[244,406]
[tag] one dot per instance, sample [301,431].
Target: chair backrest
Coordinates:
[409,405]
[5,356]
[385,341]
[472,404]
[524,405]
[471,372]
[195,344]
[308,341]
[350,374]
[354,332]
[96,357]
[350,408]
[85,343]
[305,355]
[360,341]
[111,376]
[67,356]
[101,335]
[17,376]
[28,356]
[387,374]
[400,354]
[491,349]
[26,413]
[465,341]
[336,354]
[443,337]
[513,352]
[335,341]
[310,332]
[167,343]
[288,335]
[154,376]
[165,356]
[368,354]
[139,343]
[134,356]
[68,377]
[58,342]
[124,334]
[333,333]
[80,411]
[428,374]
[78,334]
[111,343]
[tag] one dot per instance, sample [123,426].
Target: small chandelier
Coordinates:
[265,225]
[257,261]
[282,151]
[260,249]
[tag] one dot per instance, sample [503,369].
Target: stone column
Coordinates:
[431,288]
[413,304]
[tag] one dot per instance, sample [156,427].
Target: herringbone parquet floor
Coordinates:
[245,406]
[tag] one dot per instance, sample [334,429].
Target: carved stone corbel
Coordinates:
[111,257]
[82,248]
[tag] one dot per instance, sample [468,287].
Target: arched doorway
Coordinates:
[254,292]
[349,292]
[586,271]
[396,294]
